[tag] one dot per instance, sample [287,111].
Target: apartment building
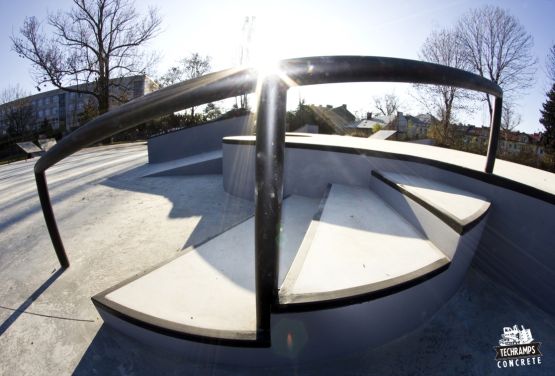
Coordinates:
[63,110]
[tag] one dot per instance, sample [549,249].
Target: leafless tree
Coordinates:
[16,112]
[497,47]
[172,76]
[88,46]
[388,104]
[441,48]
[509,121]
[195,66]
[550,63]
[511,118]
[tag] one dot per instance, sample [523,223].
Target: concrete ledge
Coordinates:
[206,294]
[196,140]
[209,163]
[459,209]
[359,246]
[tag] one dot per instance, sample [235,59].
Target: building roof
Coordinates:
[381,120]
[337,118]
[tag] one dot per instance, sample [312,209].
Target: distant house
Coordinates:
[365,127]
[406,126]
[513,143]
[418,126]
[471,134]
[326,119]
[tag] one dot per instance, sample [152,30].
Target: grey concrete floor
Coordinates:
[115,224]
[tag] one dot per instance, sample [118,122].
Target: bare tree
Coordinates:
[441,48]
[16,112]
[509,121]
[195,66]
[87,46]
[187,68]
[388,104]
[511,118]
[550,63]
[172,76]
[497,47]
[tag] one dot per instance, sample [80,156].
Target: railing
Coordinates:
[270,139]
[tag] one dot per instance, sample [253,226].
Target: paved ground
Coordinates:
[115,224]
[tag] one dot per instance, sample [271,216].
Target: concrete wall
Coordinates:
[307,128]
[516,248]
[196,140]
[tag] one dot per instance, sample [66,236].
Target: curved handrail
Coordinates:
[270,135]
[236,81]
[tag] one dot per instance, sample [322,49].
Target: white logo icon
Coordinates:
[515,336]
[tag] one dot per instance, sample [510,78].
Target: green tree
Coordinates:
[89,47]
[211,111]
[548,120]
[301,116]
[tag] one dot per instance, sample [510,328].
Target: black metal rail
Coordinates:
[270,135]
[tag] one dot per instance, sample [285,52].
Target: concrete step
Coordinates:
[208,293]
[198,164]
[358,246]
[450,217]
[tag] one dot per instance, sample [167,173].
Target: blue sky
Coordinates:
[306,28]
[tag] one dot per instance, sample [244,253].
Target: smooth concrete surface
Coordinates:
[110,222]
[437,231]
[460,249]
[532,177]
[516,247]
[196,140]
[210,289]
[359,245]
[209,163]
[462,205]
[113,224]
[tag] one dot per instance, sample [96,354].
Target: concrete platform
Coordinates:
[359,245]
[459,208]
[208,291]
[199,164]
[48,324]
[531,177]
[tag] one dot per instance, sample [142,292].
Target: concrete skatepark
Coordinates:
[55,328]
[400,317]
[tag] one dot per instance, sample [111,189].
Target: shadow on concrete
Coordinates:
[200,196]
[458,340]
[23,307]
[112,353]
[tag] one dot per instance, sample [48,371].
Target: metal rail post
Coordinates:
[50,220]
[494,134]
[270,146]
